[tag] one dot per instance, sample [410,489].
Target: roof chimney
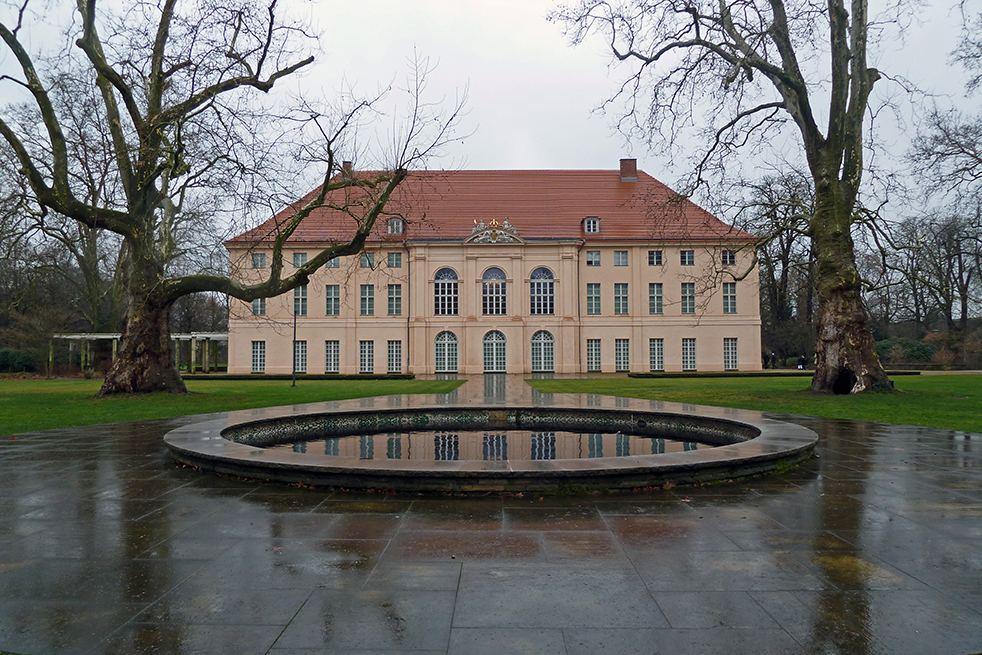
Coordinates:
[346,168]
[629,170]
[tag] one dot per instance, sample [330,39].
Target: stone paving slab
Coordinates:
[108,546]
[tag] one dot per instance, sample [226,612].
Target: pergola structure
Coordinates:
[208,340]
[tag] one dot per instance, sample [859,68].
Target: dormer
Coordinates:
[396,226]
[591,225]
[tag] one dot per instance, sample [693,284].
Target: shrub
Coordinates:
[17,361]
[899,349]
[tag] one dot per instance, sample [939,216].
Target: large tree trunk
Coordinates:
[846,360]
[145,360]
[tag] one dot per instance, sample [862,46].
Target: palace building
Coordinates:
[508,271]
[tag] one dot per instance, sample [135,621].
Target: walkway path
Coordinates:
[106,546]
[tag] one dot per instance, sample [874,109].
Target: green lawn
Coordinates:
[27,405]
[941,401]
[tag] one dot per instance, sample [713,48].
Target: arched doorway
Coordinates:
[494,352]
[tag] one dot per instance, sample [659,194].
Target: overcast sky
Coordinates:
[532,96]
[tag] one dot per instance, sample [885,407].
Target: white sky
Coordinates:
[532,96]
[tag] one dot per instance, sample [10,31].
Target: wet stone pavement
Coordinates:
[107,546]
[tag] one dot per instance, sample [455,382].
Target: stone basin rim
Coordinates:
[777,446]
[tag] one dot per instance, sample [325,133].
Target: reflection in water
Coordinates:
[491,446]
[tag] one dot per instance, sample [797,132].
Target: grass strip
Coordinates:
[27,405]
[937,401]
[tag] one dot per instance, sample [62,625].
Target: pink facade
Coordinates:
[516,272]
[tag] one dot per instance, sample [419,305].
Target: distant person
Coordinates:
[801,363]
[773,360]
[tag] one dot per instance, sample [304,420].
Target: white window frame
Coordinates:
[591,225]
[593,258]
[593,299]
[689,354]
[728,258]
[445,347]
[299,259]
[729,298]
[593,360]
[259,260]
[366,357]
[395,226]
[622,355]
[542,292]
[543,352]
[333,262]
[259,307]
[332,356]
[656,354]
[445,293]
[494,293]
[688,301]
[622,305]
[687,257]
[395,357]
[366,305]
[656,299]
[620,258]
[300,356]
[332,300]
[394,260]
[258,356]
[731,360]
[300,300]
[366,260]
[654,258]
[395,300]
[495,352]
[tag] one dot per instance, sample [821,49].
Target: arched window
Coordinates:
[543,352]
[445,293]
[493,292]
[494,352]
[542,292]
[446,352]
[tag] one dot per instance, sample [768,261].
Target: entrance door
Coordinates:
[494,352]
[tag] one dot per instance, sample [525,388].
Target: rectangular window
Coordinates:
[688,354]
[395,357]
[591,225]
[259,307]
[622,354]
[332,292]
[367,260]
[445,297]
[334,262]
[300,356]
[620,298]
[729,258]
[593,298]
[688,297]
[593,355]
[259,260]
[729,354]
[394,260]
[258,356]
[368,300]
[300,300]
[729,298]
[593,258]
[654,258]
[656,303]
[395,226]
[299,259]
[656,354]
[332,356]
[395,299]
[688,257]
[620,258]
[542,297]
[366,356]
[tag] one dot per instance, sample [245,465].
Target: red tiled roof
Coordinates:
[445,205]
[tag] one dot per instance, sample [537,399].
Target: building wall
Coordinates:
[571,326]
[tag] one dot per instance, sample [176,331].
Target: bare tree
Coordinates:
[178,96]
[739,69]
